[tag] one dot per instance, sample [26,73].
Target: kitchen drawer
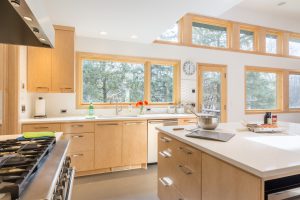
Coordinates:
[167,191]
[80,127]
[40,127]
[165,142]
[80,142]
[187,121]
[82,161]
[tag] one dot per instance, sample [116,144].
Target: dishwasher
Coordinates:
[153,134]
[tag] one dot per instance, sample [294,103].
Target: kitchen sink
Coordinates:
[116,116]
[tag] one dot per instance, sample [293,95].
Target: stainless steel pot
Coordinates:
[208,122]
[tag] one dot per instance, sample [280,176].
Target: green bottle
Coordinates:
[91,109]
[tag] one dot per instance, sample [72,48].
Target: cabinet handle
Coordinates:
[42,88]
[189,121]
[134,123]
[77,126]
[185,150]
[77,136]
[41,127]
[185,170]
[165,139]
[165,154]
[77,155]
[108,124]
[165,183]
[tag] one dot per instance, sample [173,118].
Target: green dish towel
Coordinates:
[38,134]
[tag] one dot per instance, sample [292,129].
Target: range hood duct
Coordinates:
[15,29]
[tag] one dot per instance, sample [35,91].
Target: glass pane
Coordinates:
[162,83]
[261,90]
[246,40]
[294,46]
[271,43]
[294,91]
[170,35]
[106,81]
[209,35]
[211,93]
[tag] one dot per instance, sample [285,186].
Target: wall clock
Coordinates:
[189,67]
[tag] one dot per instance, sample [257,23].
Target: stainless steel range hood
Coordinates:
[20,25]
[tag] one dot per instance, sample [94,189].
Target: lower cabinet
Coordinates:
[187,173]
[108,144]
[134,149]
[82,161]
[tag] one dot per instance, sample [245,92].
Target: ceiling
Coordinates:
[147,19]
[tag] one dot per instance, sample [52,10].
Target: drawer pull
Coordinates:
[77,136]
[185,170]
[165,154]
[134,123]
[165,139]
[77,155]
[77,126]
[166,181]
[185,150]
[189,121]
[108,124]
[41,127]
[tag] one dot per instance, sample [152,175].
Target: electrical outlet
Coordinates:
[193,90]
[23,108]
[63,111]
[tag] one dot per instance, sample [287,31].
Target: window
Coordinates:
[263,89]
[294,46]
[104,80]
[271,43]
[170,35]
[162,88]
[247,40]
[209,35]
[294,91]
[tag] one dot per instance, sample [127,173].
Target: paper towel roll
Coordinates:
[40,107]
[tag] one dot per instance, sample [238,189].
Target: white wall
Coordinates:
[235,62]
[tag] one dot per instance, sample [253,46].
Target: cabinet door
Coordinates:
[108,144]
[39,69]
[134,149]
[63,61]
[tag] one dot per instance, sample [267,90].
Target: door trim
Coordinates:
[219,68]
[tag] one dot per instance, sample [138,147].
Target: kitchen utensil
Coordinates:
[208,122]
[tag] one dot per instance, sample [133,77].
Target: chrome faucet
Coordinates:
[115,98]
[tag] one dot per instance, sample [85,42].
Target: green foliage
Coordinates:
[261,90]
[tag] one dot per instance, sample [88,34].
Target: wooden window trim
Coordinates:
[214,22]
[185,34]
[147,77]
[279,47]
[280,87]
[255,36]
[287,84]
[292,36]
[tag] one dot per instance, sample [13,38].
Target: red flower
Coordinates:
[141,103]
[146,102]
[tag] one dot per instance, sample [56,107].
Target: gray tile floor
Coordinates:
[137,184]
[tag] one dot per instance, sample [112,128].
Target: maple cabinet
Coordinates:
[52,70]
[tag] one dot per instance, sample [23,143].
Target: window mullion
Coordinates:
[147,82]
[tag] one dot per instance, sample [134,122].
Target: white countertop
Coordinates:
[105,118]
[267,156]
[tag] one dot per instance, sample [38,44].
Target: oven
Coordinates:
[286,188]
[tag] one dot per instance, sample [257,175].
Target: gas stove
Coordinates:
[20,159]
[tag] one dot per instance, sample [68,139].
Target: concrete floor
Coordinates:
[137,184]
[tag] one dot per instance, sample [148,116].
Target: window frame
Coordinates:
[292,36]
[213,22]
[80,56]
[255,37]
[278,44]
[179,35]
[280,82]
[290,72]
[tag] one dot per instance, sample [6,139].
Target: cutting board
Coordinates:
[211,135]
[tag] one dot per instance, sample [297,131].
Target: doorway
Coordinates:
[212,90]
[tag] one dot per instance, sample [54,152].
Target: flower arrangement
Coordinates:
[141,104]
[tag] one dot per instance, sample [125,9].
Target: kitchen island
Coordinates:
[249,166]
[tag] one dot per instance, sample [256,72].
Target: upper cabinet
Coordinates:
[52,70]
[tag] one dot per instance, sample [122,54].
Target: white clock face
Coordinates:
[189,67]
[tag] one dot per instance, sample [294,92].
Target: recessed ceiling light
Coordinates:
[27,18]
[103,33]
[134,37]
[281,3]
